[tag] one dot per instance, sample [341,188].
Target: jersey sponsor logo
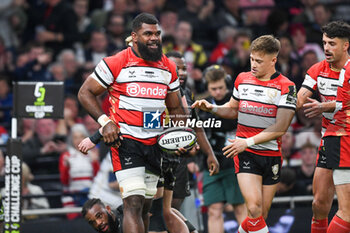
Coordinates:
[275,169]
[292,95]
[146,90]
[261,110]
[132,74]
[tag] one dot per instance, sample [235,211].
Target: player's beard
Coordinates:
[112,225]
[150,54]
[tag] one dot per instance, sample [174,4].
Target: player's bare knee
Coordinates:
[134,204]
[214,212]
[254,210]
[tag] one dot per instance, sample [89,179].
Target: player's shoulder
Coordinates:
[285,80]
[243,76]
[168,62]
[117,58]
[317,68]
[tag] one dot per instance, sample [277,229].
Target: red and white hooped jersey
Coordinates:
[258,105]
[320,76]
[135,86]
[340,125]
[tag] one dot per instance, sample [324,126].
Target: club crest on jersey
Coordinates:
[275,169]
[151,119]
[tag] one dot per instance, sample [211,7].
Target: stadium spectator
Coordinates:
[323,76]
[6,99]
[286,64]
[230,14]
[116,31]
[311,134]
[290,156]
[30,189]
[305,172]
[55,26]
[199,15]
[193,53]
[277,22]
[287,185]
[70,64]
[12,22]
[77,170]
[105,186]
[237,59]
[322,16]
[27,129]
[120,7]
[42,151]
[35,66]
[99,47]
[6,59]
[255,17]
[226,36]
[301,46]
[168,21]
[81,8]
[305,16]
[147,6]
[90,124]
[221,188]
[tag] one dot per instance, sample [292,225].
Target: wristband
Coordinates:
[250,142]
[96,137]
[103,120]
[215,109]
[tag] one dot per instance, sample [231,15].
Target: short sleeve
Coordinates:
[310,81]
[174,84]
[235,93]
[103,75]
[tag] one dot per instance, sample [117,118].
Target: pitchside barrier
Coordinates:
[287,215]
[31,100]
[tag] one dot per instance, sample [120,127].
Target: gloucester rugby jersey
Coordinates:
[136,87]
[322,78]
[340,125]
[258,105]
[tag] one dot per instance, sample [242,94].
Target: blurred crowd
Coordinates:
[63,40]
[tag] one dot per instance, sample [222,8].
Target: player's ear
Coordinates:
[134,37]
[346,46]
[274,59]
[108,208]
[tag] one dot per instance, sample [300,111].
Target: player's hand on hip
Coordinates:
[237,146]
[313,108]
[85,145]
[110,133]
[203,105]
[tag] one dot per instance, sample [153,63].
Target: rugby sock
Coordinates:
[319,225]
[338,225]
[243,228]
[257,225]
